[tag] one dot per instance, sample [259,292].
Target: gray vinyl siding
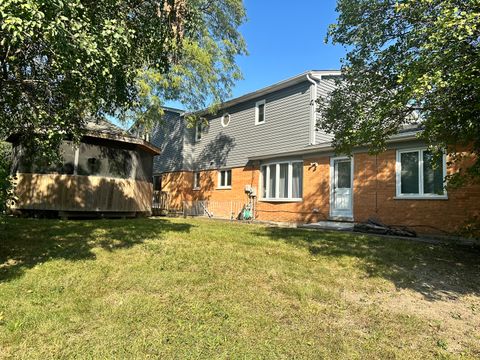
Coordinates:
[325,86]
[286,128]
[169,137]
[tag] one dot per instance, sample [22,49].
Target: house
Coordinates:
[109,173]
[263,149]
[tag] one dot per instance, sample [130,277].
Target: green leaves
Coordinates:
[407,58]
[7,195]
[205,69]
[60,61]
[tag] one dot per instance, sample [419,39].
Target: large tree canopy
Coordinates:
[407,61]
[61,61]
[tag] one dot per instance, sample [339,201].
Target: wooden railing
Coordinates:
[82,193]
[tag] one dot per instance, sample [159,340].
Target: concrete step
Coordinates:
[329,225]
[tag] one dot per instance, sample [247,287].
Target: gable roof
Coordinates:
[315,74]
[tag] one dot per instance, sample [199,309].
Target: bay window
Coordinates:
[282,181]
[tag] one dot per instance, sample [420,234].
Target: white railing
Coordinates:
[214,209]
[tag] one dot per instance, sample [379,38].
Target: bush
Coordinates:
[6,180]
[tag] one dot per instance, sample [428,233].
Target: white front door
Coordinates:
[341,195]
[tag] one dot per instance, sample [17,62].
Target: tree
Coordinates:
[205,71]
[408,61]
[63,60]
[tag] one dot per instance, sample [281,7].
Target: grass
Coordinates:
[199,289]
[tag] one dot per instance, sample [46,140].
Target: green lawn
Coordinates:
[204,289]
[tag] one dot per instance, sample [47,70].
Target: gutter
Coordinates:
[269,89]
[313,94]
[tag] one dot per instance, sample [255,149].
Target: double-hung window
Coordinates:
[260,112]
[196,180]
[198,130]
[418,177]
[225,179]
[282,181]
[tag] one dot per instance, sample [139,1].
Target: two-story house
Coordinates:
[267,140]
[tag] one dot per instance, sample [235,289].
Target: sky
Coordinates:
[284,38]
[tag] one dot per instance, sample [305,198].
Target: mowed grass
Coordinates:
[200,289]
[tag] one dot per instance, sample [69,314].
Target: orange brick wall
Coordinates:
[374,195]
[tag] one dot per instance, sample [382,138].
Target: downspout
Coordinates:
[313,94]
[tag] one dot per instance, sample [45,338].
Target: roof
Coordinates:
[101,124]
[171,109]
[101,128]
[315,74]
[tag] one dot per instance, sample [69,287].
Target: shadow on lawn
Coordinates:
[25,243]
[436,271]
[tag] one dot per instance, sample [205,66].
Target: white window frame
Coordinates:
[223,119]
[277,197]
[198,131]
[196,182]
[219,181]
[257,105]
[421,194]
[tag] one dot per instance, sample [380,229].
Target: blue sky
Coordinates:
[285,39]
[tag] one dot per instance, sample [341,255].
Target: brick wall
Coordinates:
[374,195]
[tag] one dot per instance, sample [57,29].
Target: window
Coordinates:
[196,180]
[225,179]
[225,119]
[157,183]
[282,181]
[260,112]
[93,165]
[417,177]
[198,131]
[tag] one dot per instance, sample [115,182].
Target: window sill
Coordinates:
[420,197]
[281,200]
[259,123]
[196,189]
[224,188]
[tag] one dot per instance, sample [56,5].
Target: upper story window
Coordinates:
[198,130]
[417,177]
[196,180]
[282,181]
[260,112]
[225,179]
[225,119]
